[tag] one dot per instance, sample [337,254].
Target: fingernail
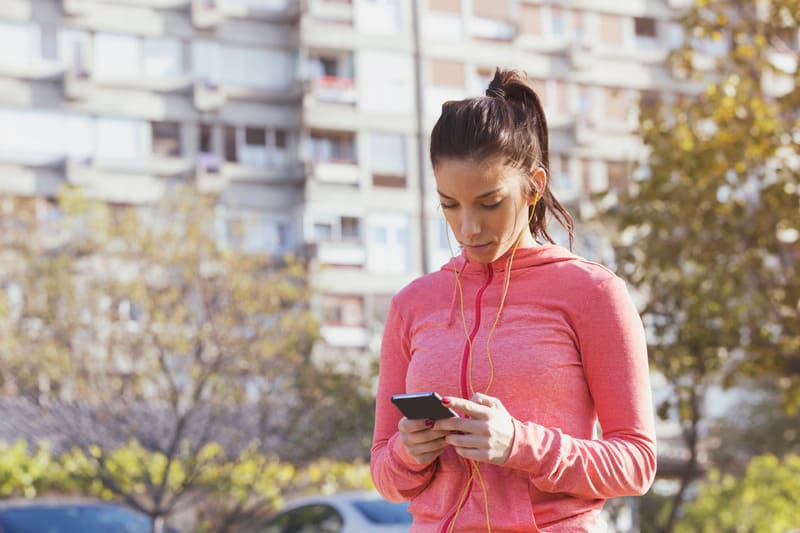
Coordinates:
[429,423]
[445,400]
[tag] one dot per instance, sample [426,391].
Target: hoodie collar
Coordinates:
[523,258]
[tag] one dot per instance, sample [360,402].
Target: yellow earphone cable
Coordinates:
[475,464]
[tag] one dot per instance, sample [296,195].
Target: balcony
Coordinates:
[345,336]
[75,8]
[206,14]
[335,11]
[580,56]
[278,175]
[491,29]
[208,96]
[114,181]
[343,173]
[77,85]
[584,126]
[342,253]
[334,89]
[38,69]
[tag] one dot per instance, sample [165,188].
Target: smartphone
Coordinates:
[422,405]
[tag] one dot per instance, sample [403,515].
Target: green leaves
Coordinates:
[764,499]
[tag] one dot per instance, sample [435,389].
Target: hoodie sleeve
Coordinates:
[397,476]
[614,355]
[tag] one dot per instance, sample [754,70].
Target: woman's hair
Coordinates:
[507,124]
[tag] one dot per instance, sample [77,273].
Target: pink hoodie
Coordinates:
[568,352]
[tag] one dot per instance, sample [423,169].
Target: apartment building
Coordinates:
[378,72]
[311,117]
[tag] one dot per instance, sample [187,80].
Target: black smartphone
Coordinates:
[417,405]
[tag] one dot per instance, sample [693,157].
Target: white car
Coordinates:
[347,512]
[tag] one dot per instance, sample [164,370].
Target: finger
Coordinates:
[486,400]
[473,454]
[408,425]
[465,441]
[419,437]
[460,425]
[427,447]
[466,407]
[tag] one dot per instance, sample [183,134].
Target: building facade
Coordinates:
[310,117]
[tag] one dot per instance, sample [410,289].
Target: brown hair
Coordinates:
[508,123]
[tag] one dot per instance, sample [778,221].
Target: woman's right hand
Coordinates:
[420,440]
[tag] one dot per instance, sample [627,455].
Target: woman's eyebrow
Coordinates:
[484,195]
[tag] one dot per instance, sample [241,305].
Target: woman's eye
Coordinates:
[492,206]
[447,206]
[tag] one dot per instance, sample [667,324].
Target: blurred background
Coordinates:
[207,205]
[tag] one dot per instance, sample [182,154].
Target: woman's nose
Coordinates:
[470,225]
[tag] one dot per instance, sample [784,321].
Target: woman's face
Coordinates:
[486,205]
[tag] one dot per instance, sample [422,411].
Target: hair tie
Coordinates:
[495,92]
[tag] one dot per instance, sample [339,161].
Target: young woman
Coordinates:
[529,344]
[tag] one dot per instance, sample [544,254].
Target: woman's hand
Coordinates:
[484,432]
[420,440]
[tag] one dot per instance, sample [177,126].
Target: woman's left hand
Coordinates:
[483,432]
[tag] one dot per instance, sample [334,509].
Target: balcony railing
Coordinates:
[343,253]
[334,89]
[345,336]
[344,172]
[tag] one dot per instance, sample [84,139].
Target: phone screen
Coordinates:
[418,405]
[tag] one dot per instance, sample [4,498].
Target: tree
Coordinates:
[764,499]
[167,343]
[710,238]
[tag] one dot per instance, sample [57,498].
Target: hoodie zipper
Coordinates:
[465,359]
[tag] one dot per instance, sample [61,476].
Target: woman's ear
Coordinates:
[537,183]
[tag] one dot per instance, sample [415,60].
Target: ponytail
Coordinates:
[508,123]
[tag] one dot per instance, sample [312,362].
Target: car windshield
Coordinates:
[383,512]
[73,519]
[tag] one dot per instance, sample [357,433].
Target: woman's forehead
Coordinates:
[465,173]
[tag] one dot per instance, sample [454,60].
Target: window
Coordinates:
[255,136]
[492,9]
[557,21]
[388,159]
[162,57]
[231,154]
[23,39]
[649,101]
[610,29]
[445,6]
[645,27]
[166,139]
[122,138]
[562,180]
[73,50]
[350,228]
[117,55]
[281,139]
[323,231]
[333,147]
[341,310]
[205,139]
[617,175]
[616,104]
[562,97]
[389,248]
[447,73]
[530,19]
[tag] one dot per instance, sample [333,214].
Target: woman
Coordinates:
[529,344]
